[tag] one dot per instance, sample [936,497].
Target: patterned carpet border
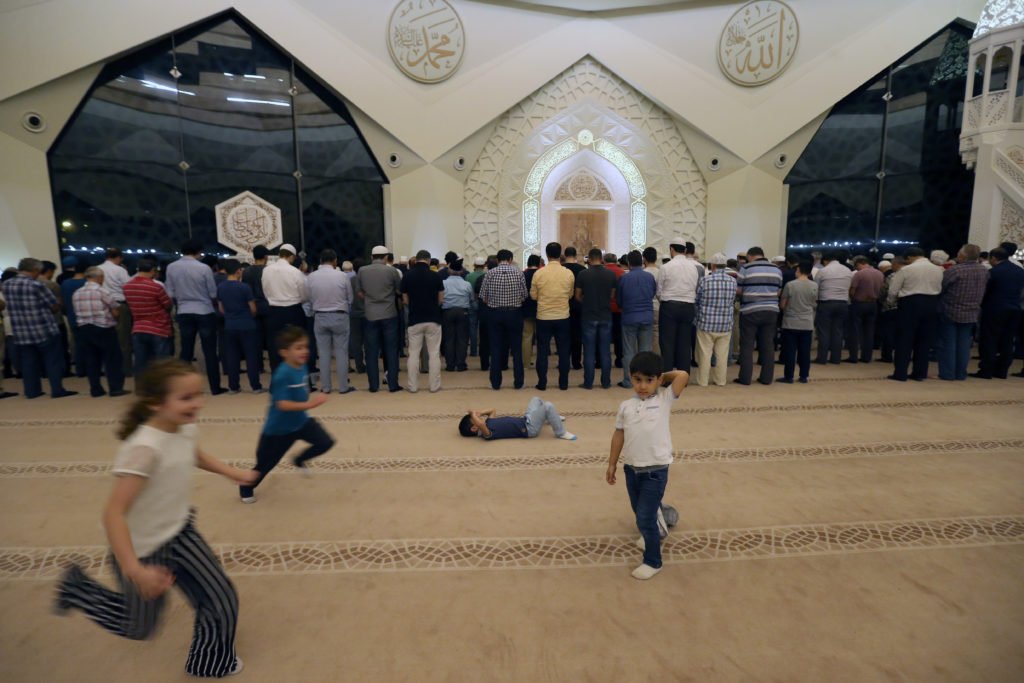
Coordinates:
[547,461]
[432,417]
[550,553]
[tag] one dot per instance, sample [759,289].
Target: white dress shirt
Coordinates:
[283,284]
[114,277]
[677,280]
[329,289]
[920,277]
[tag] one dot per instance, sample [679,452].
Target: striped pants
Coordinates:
[200,577]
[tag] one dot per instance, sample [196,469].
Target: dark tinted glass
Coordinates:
[832,211]
[931,209]
[344,216]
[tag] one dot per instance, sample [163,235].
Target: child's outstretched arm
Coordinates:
[618,438]
[205,461]
[151,580]
[677,379]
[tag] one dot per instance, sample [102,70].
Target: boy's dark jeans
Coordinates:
[646,488]
[272,448]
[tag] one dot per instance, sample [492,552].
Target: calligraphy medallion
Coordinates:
[758,42]
[426,39]
[246,220]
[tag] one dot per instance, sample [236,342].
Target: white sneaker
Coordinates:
[237,668]
[644,572]
[305,470]
[248,501]
[662,525]
[568,436]
[641,543]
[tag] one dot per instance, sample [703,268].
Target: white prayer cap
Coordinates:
[778,259]
[403,259]
[719,259]
[289,248]
[379,251]
[346,266]
[678,239]
[884,264]
[479,261]
[888,256]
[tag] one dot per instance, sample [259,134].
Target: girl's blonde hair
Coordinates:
[151,389]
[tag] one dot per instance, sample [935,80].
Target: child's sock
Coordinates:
[568,436]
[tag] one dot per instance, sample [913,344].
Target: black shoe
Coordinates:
[396,389]
[885,360]
[897,379]
[541,387]
[449,369]
[767,384]
[785,380]
[739,381]
[820,362]
[98,394]
[980,375]
[347,391]
[1019,374]
[584,386]
[65,393]
[119,392]
[218,391]
[803,380]
[461,368]
[7,394]
[835,362]
[577,367]
[852,360]
[623,385]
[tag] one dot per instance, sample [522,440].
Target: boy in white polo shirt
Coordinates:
[642,434]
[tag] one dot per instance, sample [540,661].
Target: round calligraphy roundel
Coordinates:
[426,39]
[758,42]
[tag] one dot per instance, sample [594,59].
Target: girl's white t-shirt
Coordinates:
[162,508]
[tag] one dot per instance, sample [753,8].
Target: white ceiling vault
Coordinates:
[667,55]
[596,6]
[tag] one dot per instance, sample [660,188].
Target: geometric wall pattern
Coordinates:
[586,95]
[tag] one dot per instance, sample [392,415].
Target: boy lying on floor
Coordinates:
[487,425]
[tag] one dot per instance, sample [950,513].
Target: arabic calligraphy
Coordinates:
[426,39]
[758,42]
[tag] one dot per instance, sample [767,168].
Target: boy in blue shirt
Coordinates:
[287,421]
[238,306]
[643,438]
[488,426]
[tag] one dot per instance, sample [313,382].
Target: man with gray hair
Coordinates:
[97,312]
[963,288]
[377,286]
[30,307]
[329,291]
[715,296]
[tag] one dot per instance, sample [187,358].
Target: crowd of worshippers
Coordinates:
[596,310]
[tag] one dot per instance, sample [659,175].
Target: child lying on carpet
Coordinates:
[487,425]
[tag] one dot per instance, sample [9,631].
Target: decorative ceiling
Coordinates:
[594,6]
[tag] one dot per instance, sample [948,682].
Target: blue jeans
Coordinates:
[635,338]
[382,334]
[190,324]
[559,329]
[236,344]
[646,490]
[597,340]
[955,350]
[538,412]
[505,326]
[36,359]
[147,348]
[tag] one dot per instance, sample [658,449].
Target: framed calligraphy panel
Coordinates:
[758,42]
[583,229]
[426,39]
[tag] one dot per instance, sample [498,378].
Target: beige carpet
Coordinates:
[853,529]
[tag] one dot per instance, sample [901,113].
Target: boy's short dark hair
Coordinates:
[288,336]
[231,266]
[259,252]
[146,265]
[466,426]
[645,363]
[191,247]
[806,267]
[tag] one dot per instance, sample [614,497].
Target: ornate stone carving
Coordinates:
[1011,221]
[246,220]
[999,13]
[584,96]
[581,187]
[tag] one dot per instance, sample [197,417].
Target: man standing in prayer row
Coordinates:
[833,280]
[191,285]
[96,312]
[677,290]
[503,291]
[635,293]
[151,319]
[284,286]
[1000,316]
[329,291]
[865,286]
[595,288]
[378,286]
[114,278]
[552,288]
[30,309]
[759,285]
[715,296]
[422,294]
[915,288]
[575,311]
[963,288]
